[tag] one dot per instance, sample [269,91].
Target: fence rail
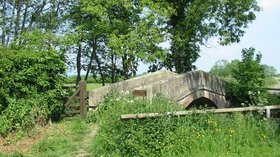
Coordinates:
[267,109]
[277,89]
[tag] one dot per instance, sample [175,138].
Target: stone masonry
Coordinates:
[183,88]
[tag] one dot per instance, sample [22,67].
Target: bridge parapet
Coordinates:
[191,85]
[183,88]
[127,86]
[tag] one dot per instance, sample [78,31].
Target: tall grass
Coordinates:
[194,135]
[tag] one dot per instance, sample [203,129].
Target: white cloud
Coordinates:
[270,4]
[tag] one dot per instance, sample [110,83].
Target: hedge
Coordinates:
[30,87]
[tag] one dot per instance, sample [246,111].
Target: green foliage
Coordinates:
[30,87]
[270,81]
[193,135]
[114,36]
[192,23]
[249,79]
[223,69]
[15,154]
[91,117]
[270,71]
[246,78]
[271,99]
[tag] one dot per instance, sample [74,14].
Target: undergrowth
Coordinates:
[194,135]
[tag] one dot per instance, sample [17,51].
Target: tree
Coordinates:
[116,35]
[269,71]
[224,68]
[19,17]
[249,76]
[192,23]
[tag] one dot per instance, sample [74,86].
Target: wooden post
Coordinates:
[267,112]
[82,96]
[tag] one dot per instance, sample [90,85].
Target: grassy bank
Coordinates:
[195,135]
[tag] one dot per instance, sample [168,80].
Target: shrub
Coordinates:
[249,79]
[30,87]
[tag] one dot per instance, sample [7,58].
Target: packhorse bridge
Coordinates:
[188,89]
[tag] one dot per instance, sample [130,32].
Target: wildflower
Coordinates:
[263,135]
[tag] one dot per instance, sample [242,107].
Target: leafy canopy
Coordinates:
[133,30]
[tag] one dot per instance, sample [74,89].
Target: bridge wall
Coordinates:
[190,86]
[127,86]
[182,88]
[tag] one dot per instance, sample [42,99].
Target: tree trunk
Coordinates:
[95,57]
[90,62]
[4,23]
[24,17]
[9,31]
[125,67]
[50,24]
[18,7]
[99,68]
[113,69]
[79,55]
[36,14]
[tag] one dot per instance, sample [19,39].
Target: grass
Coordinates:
[92,86]
[195,135]
[72,79]
[65,140]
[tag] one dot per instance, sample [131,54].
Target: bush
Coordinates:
[272,99]
[248,78]
[30,87]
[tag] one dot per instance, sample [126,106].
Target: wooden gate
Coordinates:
[77,103]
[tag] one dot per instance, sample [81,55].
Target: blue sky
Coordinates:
[263,34]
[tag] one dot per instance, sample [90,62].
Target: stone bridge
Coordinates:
[187,89]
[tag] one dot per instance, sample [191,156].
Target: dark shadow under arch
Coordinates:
[201,103]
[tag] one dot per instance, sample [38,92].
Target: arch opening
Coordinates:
[201,103]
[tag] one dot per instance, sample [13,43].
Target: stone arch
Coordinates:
[218,100]
[202,103]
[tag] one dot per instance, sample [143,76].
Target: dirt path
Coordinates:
[86,143]
[25,144]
